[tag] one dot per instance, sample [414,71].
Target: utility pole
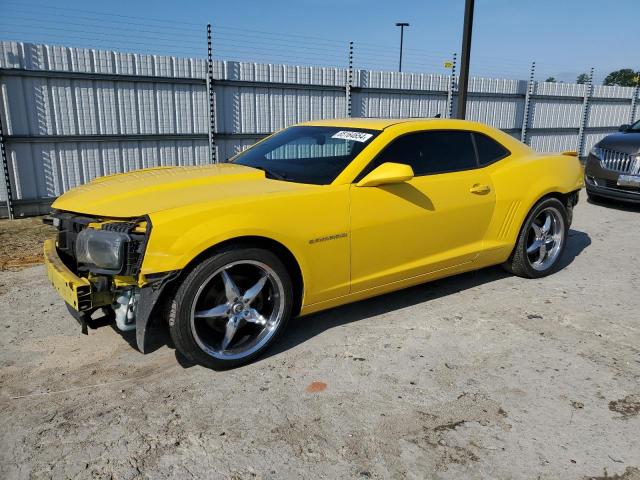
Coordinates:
[464,60]
[401,25]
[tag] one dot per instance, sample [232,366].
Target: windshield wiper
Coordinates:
[270,173]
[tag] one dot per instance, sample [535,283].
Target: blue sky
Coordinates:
[564,37]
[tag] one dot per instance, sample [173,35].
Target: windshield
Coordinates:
[635,127]
[314,155]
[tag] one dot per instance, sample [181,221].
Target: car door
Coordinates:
[435,221]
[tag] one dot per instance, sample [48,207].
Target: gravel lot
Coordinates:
[483,375]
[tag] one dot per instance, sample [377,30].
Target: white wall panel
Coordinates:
[53,105]
[505,113]
[553,142]
[555,113]
[604,114]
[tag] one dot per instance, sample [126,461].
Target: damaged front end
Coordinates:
[95,265]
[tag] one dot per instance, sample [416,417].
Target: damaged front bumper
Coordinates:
[131,306]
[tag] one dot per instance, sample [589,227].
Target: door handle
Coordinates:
[479,189]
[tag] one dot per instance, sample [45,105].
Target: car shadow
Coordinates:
[577,242]
[409,193]
[158,337]
[304,328]
[615,204]
[301,329]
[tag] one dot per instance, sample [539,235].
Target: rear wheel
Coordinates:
[541,241]
[231,307]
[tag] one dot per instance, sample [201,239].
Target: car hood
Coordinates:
[152,190]
[627,142]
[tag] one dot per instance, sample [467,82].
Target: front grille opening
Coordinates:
[614,184]
[71,225]
[619,161]
[133,256]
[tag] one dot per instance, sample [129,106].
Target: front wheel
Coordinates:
[231,307]
[541,240]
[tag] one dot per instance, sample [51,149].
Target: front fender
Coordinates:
[293,221]
[169,251]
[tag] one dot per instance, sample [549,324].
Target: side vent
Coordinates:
[508,219]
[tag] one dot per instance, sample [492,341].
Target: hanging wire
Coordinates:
[87,28]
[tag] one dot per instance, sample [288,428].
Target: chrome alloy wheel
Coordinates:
[237,309]
[545,238]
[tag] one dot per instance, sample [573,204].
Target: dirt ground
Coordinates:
[483,375]
[21,242]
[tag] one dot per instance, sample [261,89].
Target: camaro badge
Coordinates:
[329,237]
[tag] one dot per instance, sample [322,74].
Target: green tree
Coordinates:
[625,77]
[551,79]
[583,78]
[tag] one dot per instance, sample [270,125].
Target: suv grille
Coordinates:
[619,161]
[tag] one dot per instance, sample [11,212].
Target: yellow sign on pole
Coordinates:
[448,64]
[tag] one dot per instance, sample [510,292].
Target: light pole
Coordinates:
[464,63]
[401,25]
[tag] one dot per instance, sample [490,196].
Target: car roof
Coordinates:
[409,124]
[368,123]
[382,123]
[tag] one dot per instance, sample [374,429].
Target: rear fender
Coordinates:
[528,180]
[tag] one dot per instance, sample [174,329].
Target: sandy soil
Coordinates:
[21,242]
[484,375]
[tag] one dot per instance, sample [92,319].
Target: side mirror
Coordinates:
[624,127]
[387,173]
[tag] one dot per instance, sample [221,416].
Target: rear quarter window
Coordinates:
[489,150]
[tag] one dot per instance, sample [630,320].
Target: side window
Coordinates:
[429,152]
[489,150]
[447,151]
[406,149]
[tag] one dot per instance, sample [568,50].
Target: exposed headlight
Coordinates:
[101,248]
[595,151]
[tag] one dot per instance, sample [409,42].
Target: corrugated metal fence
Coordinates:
[72,114]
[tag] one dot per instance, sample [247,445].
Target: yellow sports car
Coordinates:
[312,217]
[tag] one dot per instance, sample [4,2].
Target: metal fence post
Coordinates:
[349,79]
[212,102]
[634,102]
[585,114]
[451,88]
[5,168]
[527,103]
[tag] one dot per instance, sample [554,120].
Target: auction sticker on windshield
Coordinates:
[355,136]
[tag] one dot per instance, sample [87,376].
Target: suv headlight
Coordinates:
[101,248]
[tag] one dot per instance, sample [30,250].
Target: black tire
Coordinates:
[183,304]
[519,263]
